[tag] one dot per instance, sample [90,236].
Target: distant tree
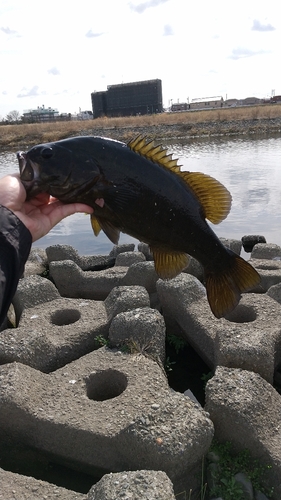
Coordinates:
[13,116]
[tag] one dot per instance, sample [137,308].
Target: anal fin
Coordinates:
[168,264]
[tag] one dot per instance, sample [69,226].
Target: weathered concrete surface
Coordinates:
[266,251]
[138,485]
[107,410]
[269,271]
[32,291]
[250,338]
[140,330]
[37,262]
[72,282]
[246,410]
[126,259]
[57,332]
[51,335]
[86,262]
[16,487]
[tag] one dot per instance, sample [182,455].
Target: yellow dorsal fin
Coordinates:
[169,264]
[157,154]
[213,196]
[95,225]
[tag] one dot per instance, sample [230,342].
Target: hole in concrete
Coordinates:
[106,384]
[242,314]
[65,317]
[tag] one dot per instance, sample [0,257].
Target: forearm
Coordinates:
[15,244]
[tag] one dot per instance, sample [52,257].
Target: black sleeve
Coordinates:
[15,244]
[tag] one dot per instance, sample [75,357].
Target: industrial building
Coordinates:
[128,99]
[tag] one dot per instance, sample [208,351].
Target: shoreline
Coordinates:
[166,126]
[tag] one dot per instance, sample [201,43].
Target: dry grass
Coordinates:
[22,135]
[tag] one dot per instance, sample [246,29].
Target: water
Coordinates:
[249,167]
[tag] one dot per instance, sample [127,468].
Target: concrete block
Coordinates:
[108,411]
[266,251]
[117,249]
[269,271]
[144,248]
[37,262]
[275,292]
[124,298]
[137,485]
[250,240]
[142,274]
[126,259]
[85,262]
[72,282]
[250,338]
[17,487]
[141,330]
[176,297]
[234,245]
[32,291]
[51,335]
[246,410]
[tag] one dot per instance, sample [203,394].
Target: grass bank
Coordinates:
[223,121]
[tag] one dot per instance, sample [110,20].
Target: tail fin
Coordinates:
[224,287]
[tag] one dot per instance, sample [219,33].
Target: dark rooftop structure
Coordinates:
[128,99]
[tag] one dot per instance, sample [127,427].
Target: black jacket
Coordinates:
[15,244]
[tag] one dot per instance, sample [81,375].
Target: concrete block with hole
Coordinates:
[106,412]
[56,332]
[250,338]
[140,330]
[246,410]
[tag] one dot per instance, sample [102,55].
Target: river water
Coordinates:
[250,167]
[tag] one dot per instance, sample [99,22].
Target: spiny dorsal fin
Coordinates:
[168,264]
[213,196]
[157,154]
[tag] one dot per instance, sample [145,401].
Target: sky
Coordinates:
[56,53]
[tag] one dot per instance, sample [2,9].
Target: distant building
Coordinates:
[206,103]
[40,115]
[180,106]
[250,101]
[128,99]
[230,103]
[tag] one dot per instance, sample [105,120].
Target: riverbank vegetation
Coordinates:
[190,123]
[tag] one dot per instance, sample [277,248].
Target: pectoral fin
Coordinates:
[169,264]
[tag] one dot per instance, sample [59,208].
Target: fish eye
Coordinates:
[47,153]
[27,173]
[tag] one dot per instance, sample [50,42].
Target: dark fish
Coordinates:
[140,190]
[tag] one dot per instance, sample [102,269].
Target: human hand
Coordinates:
[40,214]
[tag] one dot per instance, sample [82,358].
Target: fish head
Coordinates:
[57,169]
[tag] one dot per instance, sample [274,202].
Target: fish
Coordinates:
[138,188]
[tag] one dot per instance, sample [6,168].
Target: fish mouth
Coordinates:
[29,174]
